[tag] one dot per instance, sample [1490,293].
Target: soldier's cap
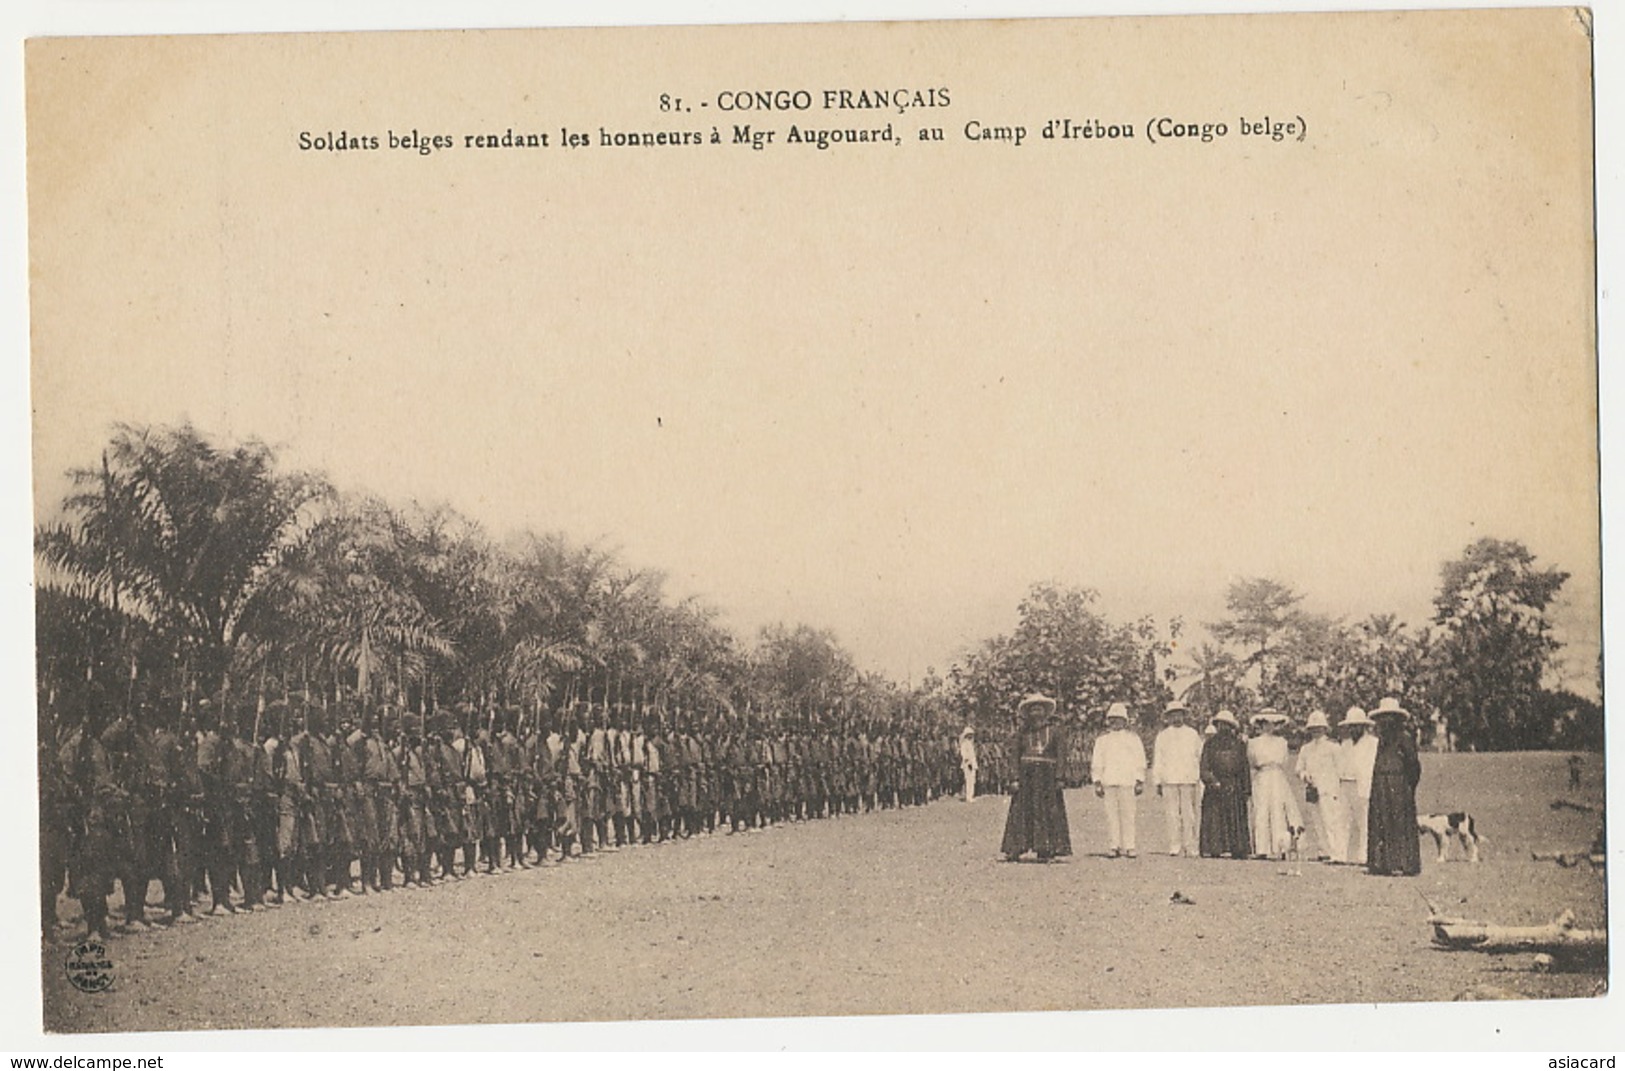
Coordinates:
[116,735]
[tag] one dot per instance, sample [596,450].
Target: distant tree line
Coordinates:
[1481,665]
[178,567]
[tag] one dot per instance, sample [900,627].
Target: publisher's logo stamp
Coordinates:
[88,966]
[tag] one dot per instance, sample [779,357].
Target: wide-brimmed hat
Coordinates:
[1390,706]
[1268,716]
[1035,699]
[1117,710]
[1317,720]
[1176,707]
[1355,716]
[1228,718]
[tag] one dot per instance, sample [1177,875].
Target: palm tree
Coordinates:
[184,536]
[1217,678]
[351,605]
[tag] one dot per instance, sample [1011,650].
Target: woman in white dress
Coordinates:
[1276,816]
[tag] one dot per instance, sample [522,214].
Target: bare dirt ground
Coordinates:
[898,912]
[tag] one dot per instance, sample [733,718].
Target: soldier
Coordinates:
[864,751]
[708,788]
[444,766]
[356,817]
[595,767]
[317,810]
[777,758]
[742,775]
[674,768]
[265,812]
[54,819]
[726,775]
[294,806]
[513,754]
[858,756]
[550,777]
[217,771]
[153,793]
[825,790]
[183,803]
[638,761]
[574,829]
[545,761]
[91,793]
[389,833]
[241,772]
[498,793]
[693,776]
[478,757]
[378,792]
[414,802]
[527,813]
[653,819]
[126,817]
[339,798]
[471,787]
[821,749]
[618,778]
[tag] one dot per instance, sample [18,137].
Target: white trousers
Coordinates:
[1179,807]
[1359,810]
[1120,810]
[970,781]
[1334,826]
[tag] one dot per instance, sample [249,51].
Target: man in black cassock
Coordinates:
[1226,788]
[1392,846]
[1037,818]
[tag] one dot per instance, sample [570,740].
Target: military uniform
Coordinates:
[91,795]
[414,806]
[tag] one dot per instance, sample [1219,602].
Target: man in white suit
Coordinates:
[1117,768]
[1318,769]
[1176,762]
[967,761]
[1356,756]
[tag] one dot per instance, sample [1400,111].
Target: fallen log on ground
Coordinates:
[1583,808]
[1570,859]
[1567,944]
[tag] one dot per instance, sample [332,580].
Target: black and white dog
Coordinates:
[1458,825]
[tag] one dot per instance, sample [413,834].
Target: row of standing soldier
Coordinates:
[294,801]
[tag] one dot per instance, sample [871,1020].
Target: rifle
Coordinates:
[259,708]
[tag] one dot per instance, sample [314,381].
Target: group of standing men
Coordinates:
[1226,795]
[247,808]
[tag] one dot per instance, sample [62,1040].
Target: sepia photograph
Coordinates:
[735,522]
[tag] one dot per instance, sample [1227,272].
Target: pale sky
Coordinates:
[875,389]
